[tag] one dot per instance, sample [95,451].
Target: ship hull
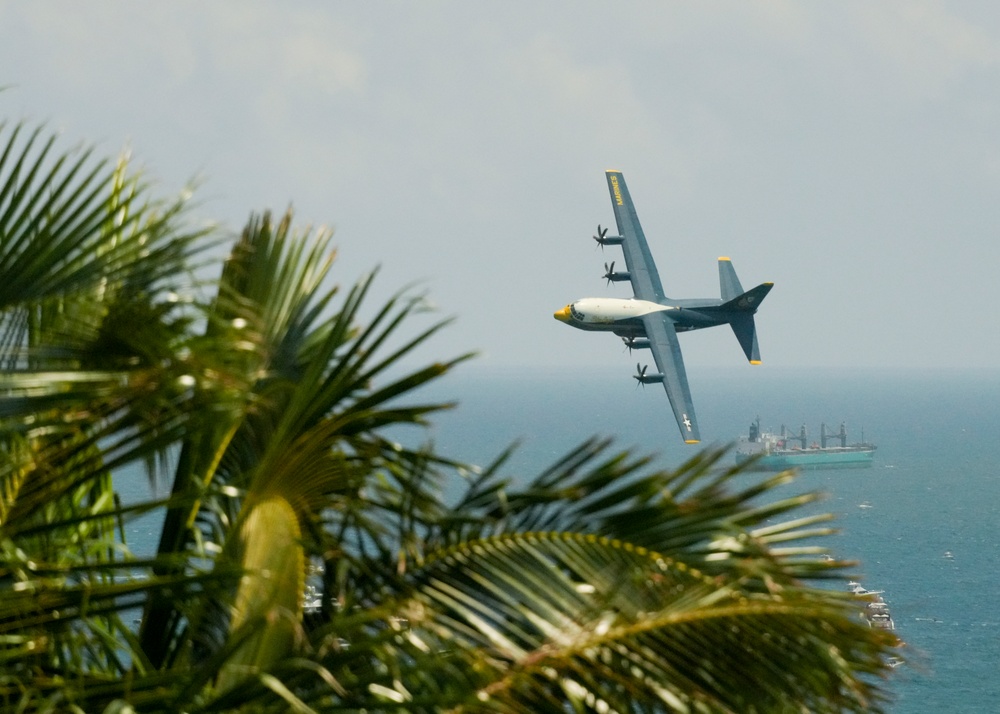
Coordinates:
[835,458]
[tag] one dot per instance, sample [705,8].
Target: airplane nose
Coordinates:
[562,315]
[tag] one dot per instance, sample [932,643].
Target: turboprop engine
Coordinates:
[636,343]
[604,239]
[614,277]
[642,378]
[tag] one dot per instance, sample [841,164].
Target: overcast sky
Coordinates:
[849,152]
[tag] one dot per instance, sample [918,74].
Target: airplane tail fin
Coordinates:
[747,302]
[746,332]
[744,305]
[729,284]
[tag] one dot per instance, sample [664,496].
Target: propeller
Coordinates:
[629,343]
[601,232]
[609,271]
[640,377]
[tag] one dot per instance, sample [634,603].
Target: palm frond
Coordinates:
[606,621]
[602,584]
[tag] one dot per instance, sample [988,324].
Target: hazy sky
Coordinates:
[849,152]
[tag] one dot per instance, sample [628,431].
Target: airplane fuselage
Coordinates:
[624,316]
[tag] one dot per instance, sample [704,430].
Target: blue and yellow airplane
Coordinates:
[651,320]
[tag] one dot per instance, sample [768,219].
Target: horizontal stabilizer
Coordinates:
[748,301]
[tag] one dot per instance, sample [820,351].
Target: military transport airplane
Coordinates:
[651,320]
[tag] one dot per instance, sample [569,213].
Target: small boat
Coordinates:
[876,610]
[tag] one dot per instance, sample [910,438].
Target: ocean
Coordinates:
[922,522]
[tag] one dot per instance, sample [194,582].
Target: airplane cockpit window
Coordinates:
[577,315]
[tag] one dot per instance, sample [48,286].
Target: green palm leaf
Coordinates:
[272,406]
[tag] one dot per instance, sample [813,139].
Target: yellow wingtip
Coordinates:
[755,361]
[692,441]
[725,257]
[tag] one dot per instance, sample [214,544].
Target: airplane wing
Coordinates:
[666,351]
[642,269]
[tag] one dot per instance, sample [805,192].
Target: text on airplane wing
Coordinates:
[641,268]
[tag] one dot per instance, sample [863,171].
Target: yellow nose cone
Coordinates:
[562,315]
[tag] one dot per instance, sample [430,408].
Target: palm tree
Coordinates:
[268,403]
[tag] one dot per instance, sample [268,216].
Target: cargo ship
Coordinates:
[777,452]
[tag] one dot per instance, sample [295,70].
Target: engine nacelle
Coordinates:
[604,239]
[643,377]
[636,343]
[649,378]
[618,276]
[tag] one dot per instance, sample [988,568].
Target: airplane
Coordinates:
[651,320]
